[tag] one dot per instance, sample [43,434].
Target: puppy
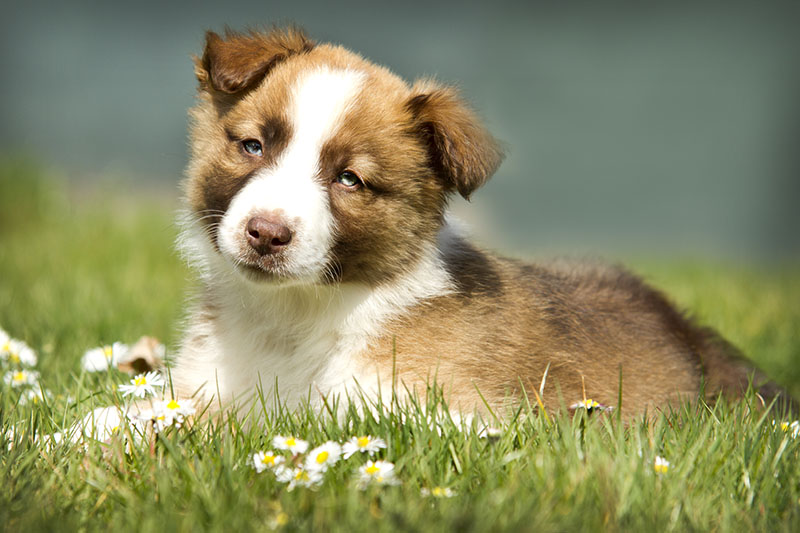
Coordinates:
[316,218]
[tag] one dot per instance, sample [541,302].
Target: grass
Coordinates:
[81,270]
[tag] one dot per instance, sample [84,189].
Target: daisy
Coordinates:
[34,395]
[180,409]
[5,345]
[293,444]
[99,359]
[16,352]
[491,433]
[264,460]
[297,476]
[165,414]
[144,417]
[21,378]
[661,465]
[438,492]
[279,520]
[792,428]
[142,385]
[102,424]
[590,406]
[323,457]
[379,472]
[367,444]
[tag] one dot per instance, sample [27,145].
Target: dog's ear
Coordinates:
[461,151]
[238,61]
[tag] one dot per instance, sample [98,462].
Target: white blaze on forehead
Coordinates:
[320,100]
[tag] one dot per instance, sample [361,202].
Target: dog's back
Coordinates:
[583,326]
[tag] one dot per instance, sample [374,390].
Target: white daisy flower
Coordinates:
[144,417]
[379,472]
[167,413]
[142,385]
[366,444]
[102,423]
[660,465]
[34,395]
[792,428]
[279,520]
[5,345]
[16,352]
[438,492]
[291,443]
[21,378]
[100,359]
[179,409]
[323,457]
[264,460]
[490,432]
[298,476]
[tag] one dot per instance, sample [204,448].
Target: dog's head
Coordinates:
[312,165]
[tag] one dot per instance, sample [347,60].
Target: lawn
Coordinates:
[86,266]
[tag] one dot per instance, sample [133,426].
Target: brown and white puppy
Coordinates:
[317,193]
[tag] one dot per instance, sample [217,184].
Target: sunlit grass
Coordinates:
[82,270]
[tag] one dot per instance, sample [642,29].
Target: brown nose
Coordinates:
[267,236]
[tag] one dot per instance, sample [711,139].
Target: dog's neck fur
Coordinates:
[305,338]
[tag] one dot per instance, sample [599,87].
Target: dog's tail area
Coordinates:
[729,373]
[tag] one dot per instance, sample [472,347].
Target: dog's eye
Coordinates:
[348,179]
[253,147]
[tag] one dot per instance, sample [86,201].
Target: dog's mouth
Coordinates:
[276,269]
[269,268]
[264,251]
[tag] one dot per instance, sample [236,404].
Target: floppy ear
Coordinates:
[461,151]
[239,61]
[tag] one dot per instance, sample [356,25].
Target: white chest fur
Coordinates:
[304,339]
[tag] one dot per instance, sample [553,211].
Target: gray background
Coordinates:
[666,128]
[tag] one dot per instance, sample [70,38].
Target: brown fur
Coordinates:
[461,150]
[239,61]
[507,321]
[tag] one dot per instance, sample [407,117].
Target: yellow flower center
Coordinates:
[108,352]
[661,468]
[301,475]
[290,441]
[14,358]
[363,442]
[268,460]
[437,491]
[322,457]
[173,405]
[6,347]
[19,376]
[140,381]
[372,469]
[784,426]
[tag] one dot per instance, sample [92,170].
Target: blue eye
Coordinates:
[348,179]
[253,147]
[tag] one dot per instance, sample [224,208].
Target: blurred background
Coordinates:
[666,129]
